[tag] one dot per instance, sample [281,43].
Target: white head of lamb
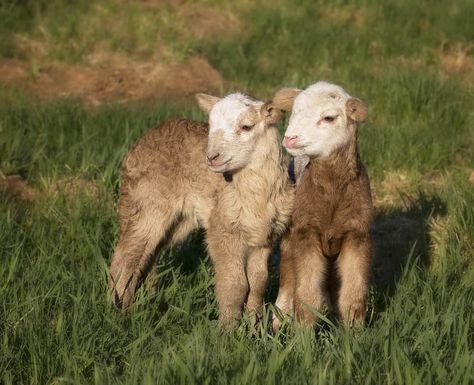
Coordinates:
[236,123]
[323,118]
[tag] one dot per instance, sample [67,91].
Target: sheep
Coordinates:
[326,252]
[226,177]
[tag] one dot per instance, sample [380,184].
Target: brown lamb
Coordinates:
[241,196]
[326,253]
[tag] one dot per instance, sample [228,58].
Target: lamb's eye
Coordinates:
[246,127]
[329,119]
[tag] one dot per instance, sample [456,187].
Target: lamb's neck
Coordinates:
[266,164]
[341,167]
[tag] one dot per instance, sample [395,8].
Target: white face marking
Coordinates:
[319,120]
[227,112]
[226,136]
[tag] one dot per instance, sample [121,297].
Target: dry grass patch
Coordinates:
[396,187]
[29,48]
[450,59]
[208,23]
[413,63]
[345,15]
[457,57]
[73,186]
[438,235]
[390,190]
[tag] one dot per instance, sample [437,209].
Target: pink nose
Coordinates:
[290,141]
[213,159]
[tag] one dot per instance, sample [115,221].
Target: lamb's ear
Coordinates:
[284,98]
[356,110]
[270,113]
[206,102]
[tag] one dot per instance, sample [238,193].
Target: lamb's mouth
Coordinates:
[295,151]
[219,167]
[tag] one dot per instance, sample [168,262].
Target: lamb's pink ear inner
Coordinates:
[285,98]
[206,101]
[356,110]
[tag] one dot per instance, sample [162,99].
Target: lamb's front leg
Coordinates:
[257,275]
[354,268]
[228,255]
[310,267]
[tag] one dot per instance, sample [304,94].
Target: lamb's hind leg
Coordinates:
[179,231]
[354,267]
[133,254]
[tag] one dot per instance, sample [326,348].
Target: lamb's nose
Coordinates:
[214,156]
[290,141]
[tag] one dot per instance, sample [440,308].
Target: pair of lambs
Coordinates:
[245,201]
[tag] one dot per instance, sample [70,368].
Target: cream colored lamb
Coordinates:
[226,177]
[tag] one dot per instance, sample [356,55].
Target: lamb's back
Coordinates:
[169,158]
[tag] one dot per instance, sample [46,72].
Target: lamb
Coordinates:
[241,196]
[326,252]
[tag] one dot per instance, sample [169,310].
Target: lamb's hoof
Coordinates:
[117,300]
[276,325]
[228,324]
[278,319]
[122,295]
[124,301]
[354,318]
[275,322]
[255,322]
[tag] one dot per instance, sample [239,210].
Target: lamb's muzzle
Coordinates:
[215,160]
[290,142]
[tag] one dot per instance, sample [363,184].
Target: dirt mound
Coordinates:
[119,81]
[71,187]
[14,185]
[13,72]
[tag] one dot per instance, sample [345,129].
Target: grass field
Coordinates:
[411,61]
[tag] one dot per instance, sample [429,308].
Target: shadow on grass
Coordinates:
[401,235]
[182,259]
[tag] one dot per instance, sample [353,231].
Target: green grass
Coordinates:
[57,323]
